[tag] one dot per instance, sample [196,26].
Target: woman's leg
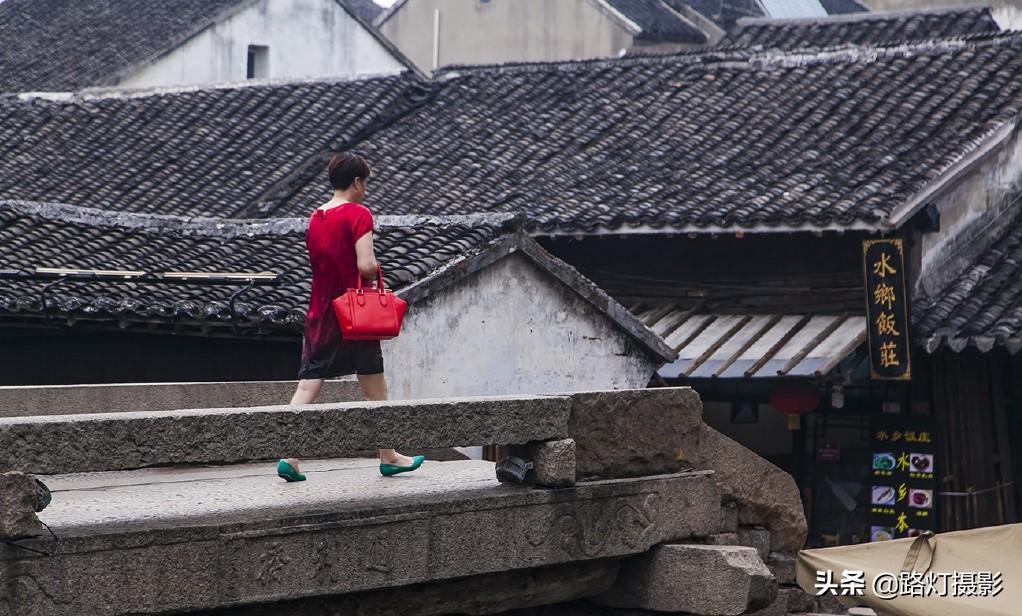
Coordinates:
[306,393]
[374,387]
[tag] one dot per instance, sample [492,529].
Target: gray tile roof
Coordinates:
[658,22]
[366,9]
[982,308]
[696,140]
[54,235]
[889,28]
[724,13]
[420,256]
[723,138]
[60,45]
[206,152]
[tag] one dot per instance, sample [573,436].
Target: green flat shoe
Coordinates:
[287,472]
[389,470]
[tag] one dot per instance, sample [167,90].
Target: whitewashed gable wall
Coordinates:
[306,38]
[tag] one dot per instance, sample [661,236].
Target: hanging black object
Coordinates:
[512,469]
[42,496]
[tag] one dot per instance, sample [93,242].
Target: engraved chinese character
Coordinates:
[883,267]
[902,463]
[889,355]
[883,295]
[902,492]
[886,325]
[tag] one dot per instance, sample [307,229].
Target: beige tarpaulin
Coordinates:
[940,566]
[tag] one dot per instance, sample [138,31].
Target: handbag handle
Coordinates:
[379,279]
[379,285]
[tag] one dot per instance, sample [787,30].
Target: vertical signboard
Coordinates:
[883,264]
[903,486]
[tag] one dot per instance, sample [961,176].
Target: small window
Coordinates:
[258,62]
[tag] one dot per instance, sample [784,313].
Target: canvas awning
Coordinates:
[754,346]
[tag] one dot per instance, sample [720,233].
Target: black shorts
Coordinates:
[346,357]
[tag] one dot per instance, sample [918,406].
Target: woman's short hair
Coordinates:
[344,167]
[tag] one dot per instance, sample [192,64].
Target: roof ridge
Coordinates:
[229,227]
[858,17]
[755,57]
[122,92]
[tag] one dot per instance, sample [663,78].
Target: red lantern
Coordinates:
[794,399]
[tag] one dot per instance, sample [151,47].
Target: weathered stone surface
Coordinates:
[764,493]
[714,580]
[779,607]
[782,566]
[755,537]
[634,433]
[493,593]
[729,518]
[724,539]
[553,462]
[797,600]
[17,506]
[141,549]
[21,401]
[116,441]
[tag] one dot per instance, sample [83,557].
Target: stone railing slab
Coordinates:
[19,401]
[116,441]
[401,532]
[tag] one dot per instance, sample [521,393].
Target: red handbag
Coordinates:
[369,314]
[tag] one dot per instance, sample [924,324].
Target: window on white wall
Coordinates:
[258,62]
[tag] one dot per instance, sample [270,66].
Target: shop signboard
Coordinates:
[883,264]
[903,486]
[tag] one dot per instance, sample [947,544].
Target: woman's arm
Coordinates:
[365,257]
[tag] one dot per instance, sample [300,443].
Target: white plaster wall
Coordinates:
[473,32]
[306,38]
[975,200]
[510,328]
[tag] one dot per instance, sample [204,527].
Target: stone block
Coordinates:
[634,433]
[779,607]
[17,506]
[494,593]
[553,462]
[121,441]
[398,536]
[755,537]
[798,600]
[711,580]
[783,567]
[729,518]
[724,539]
[764,493]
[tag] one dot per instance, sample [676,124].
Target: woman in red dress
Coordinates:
[340,244]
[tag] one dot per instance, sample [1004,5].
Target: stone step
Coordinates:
[179,539]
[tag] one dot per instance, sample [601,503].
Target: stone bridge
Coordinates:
[634,506]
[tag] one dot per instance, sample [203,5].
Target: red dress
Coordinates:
[331,241]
